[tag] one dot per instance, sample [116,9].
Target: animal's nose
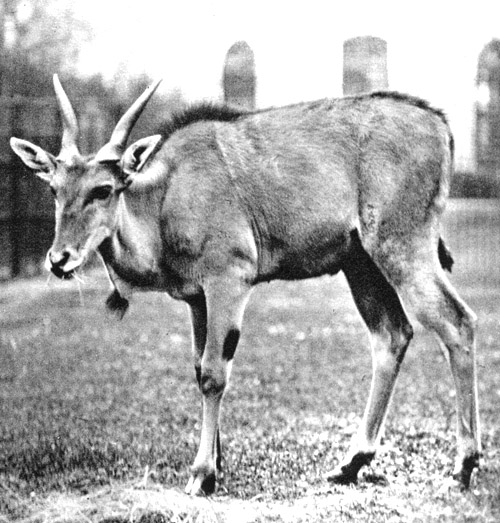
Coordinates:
[58,261]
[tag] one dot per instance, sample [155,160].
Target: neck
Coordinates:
[134,251]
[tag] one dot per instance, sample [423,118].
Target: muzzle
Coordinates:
[63,264]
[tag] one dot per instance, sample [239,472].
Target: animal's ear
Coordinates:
[137,155]
[42,162]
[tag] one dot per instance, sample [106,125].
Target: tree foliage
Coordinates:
[38,38]
[41,37]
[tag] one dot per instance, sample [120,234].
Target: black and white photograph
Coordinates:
[249,261]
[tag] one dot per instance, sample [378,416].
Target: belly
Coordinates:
[317,254]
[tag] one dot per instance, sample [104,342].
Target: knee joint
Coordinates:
[212,383]
[405,335]
[400,339]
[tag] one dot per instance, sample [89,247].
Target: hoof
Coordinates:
[463,475]
[201,486]
[339,476]
[348,474]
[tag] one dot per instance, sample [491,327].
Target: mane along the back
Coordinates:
[199,113]
[412,100]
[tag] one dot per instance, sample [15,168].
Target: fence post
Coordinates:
[15,200]
[239,76]
[365,65]
[14,210]
[487,109]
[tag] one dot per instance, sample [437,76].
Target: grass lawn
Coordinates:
[100,419]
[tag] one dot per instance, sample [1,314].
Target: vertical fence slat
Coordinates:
[365,65]
[239,76]
[14,199]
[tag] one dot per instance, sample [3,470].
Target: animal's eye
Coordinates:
[102,192]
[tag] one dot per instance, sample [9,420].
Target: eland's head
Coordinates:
[86,189]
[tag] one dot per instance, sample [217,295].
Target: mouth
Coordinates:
[62,274]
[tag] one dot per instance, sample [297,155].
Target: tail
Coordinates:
[445,257]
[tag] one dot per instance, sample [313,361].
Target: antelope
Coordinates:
[220,200]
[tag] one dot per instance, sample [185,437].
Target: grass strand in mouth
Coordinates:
[79,282]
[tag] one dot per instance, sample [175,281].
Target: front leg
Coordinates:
[198,309]
[224,305]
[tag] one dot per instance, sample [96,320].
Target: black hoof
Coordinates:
[209,483]
[464,475]
[348,474]
[342,478]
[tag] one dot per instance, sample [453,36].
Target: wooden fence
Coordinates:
[26,209]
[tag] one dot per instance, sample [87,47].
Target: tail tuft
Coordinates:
[117,304]
[445,257]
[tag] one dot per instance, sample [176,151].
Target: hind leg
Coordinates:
[439,308]
[381,309]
